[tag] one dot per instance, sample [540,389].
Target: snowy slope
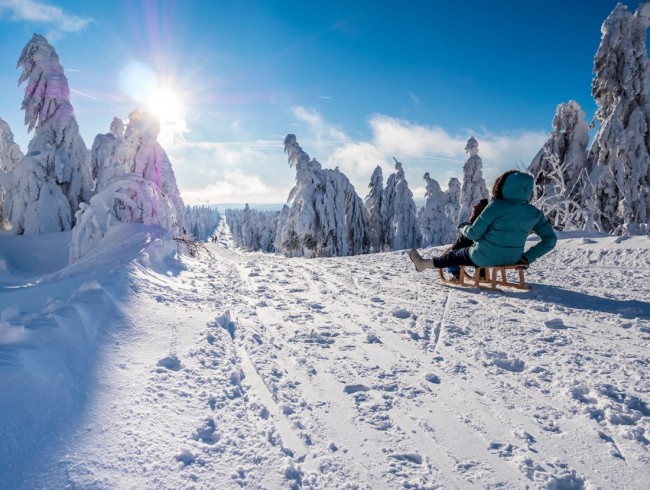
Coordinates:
[135,370]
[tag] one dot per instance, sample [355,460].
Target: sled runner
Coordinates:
[487,277]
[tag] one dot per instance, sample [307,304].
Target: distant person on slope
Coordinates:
[499,234]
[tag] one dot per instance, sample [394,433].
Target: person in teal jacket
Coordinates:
[499,234]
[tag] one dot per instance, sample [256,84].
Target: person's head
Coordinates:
[513,186]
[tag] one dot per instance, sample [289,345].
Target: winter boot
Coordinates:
[455,272]
[420,263]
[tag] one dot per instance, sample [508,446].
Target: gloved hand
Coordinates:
[464,223]
[523,262]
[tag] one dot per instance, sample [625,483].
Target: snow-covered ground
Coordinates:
[132,369]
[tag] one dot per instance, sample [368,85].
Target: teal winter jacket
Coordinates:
[500,231]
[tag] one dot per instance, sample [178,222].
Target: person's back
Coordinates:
[501,230]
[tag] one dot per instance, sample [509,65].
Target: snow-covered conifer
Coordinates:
[130,199]
[56,148]
[147,194]
[144,156]
[452,206]
[474,188]
[326,216]
[376,224]
[251,229]
[434,223]
[201,221]
[560,166]
[619,156]
[400,213]
[10,156]
[107,155]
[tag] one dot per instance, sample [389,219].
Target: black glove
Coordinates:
[523,262]
[464,223]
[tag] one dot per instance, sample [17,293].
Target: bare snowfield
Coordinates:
[132,369]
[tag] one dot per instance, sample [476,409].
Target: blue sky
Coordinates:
[358,82]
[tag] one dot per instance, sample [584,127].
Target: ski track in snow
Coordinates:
[257,371]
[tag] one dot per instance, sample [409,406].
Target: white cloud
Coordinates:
[357,160]
[227,172]
[320,129]
[397,137]
[435,150]
[233,187]
[58,21]
[257,171]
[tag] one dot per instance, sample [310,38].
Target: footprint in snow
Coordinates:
[432,378]
[351,389]
[502,361]
[555,324]
[401,313]
[186,457]
[171,363]
[410,457]
[207,433]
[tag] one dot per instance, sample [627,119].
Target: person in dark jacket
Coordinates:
[499,233]
[462,241]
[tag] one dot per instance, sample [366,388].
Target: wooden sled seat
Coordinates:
[487,277]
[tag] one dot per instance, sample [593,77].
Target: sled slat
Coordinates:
[490,279]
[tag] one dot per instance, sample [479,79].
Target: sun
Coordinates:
[166,104]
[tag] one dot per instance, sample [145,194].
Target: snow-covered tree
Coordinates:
[376,224]
[434,223]
[474,188]
[146,194]
[326,216]
[400,213]
[144,156]
[57,155]
[201,221]
[620,178]
[10,156]
[107,155]
[130,199]
[452,206]
[252,229]
[560,166]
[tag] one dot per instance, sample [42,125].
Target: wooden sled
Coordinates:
[489,278]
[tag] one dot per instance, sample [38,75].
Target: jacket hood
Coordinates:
[518,187]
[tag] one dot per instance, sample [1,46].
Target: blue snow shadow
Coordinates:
[629,309]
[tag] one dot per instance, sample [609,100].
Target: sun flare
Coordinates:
[166,104]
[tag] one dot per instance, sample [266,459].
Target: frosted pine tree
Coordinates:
[10,156]
[326,216]
[146,194]
[474,188]
[560,166]
[399,213]
[434,223]
[144,156]
[201,221]
[252,229]
[297,235]
[107,155]
[452,207]
[619,155]
[57,155]
[130,199]
[376,225]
